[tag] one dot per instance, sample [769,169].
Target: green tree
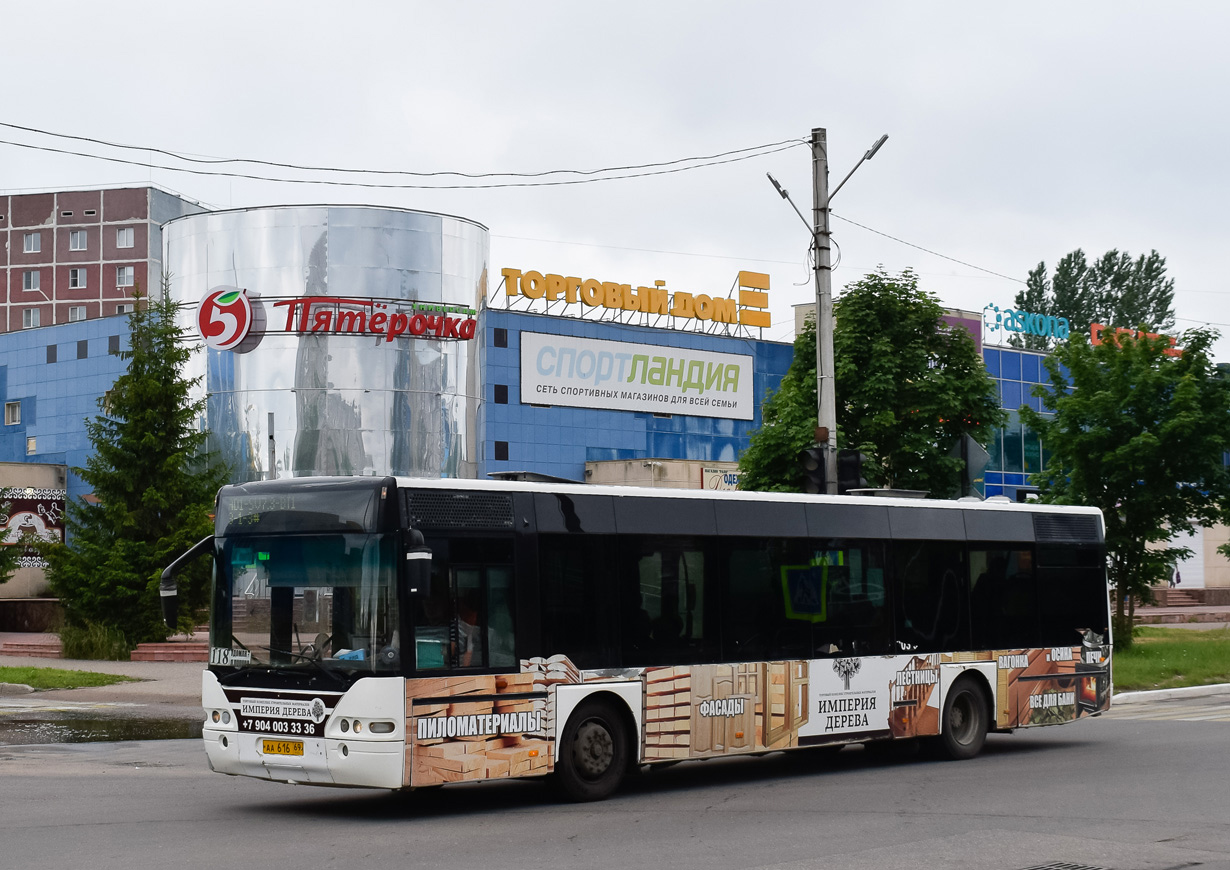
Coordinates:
[1114,290]
[788,424]
[1142,436]
[153,489]
[907,385]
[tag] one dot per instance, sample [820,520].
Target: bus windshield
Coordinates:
[306,601]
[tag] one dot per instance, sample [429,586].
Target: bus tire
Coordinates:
[965,721]
[593,753]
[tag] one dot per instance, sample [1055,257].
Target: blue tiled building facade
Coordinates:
[558,441]
[51,380]
[1015,450]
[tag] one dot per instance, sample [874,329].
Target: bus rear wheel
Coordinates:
[965,721]
[593,754]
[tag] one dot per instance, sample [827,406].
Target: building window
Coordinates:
[125,276]
[83,348]
[31,446]
[501,394]
[51,353]
[124,308]
[500,339]
[30,318]
[90,212]
[12,413]
[30,279]
[32,243]
[76,240]
[501,451]
[113,344]
[76,279]
[66,214]
[124,237]
[76,313]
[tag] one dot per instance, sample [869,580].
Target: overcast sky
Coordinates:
[1017,134]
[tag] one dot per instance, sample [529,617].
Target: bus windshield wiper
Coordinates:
[311,659]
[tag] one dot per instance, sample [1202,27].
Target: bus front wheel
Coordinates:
[593,754]
[965,721]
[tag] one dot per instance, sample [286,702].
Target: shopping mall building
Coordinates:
[370,341]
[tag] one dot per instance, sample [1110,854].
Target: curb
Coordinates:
[15,689]
[1169,694]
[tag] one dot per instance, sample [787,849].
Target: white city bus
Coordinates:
[399,633]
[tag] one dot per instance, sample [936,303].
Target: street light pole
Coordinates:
[826,400]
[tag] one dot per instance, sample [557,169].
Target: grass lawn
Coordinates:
[1166,658]
[57,678]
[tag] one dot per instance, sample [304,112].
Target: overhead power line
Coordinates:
[588,176]
[194,158]
[926,250]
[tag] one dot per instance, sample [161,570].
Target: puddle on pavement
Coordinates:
[23,730]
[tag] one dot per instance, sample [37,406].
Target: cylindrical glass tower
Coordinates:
[335,339]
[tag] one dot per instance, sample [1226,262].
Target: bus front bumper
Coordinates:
[325,761]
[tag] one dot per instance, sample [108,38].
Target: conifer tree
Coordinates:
[152,489]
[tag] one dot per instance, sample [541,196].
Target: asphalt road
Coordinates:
[1147,786]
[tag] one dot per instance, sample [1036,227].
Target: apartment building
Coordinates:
[76,255]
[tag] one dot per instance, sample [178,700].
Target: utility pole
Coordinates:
[826,400]
[826,432]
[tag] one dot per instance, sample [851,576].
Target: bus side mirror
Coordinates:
[168,589]
[417,576]
[170,608]
[416,566]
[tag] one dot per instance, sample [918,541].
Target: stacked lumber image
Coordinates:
[668,713]
[436,760]
[545,673]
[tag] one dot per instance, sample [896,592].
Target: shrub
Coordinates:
[94,641]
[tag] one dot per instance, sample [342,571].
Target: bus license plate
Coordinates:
[282,747]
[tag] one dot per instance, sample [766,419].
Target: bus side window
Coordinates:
[932,609]
[1071,592]
[856,613]
[574,587]
[470,640]
[749,616]
[467,621]
[1003,599]
[774,598]
[501,642]
[666,605]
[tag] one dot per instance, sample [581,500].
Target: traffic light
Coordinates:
[811,459]
[850,471]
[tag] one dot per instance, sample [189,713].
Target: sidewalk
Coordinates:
[1203,615]
[165,690]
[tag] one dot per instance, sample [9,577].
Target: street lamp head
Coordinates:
[876,147]
[780,189]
